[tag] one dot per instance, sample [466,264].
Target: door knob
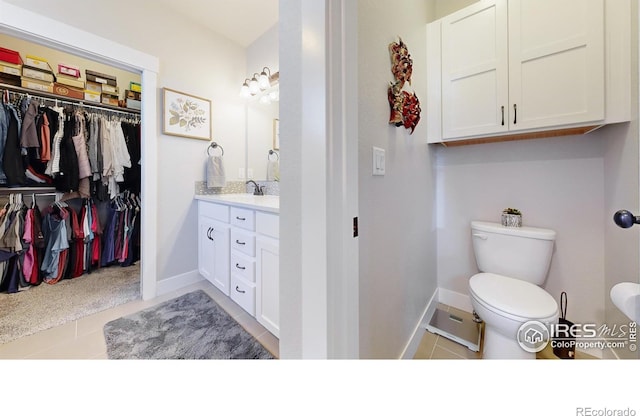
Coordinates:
[625,219]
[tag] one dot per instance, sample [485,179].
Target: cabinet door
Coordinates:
[556,62]
[268,284]
[474,70]
[213,252]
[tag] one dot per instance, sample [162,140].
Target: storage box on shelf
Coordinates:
[100,78]
[66,91]
[10,56]
[37,85]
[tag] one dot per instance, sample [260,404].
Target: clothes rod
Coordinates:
[66,100]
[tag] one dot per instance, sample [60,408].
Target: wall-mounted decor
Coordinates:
[186,115]
[404,105]
[276,134]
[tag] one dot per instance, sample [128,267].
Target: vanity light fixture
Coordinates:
[263,86]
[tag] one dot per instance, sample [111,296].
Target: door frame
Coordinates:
[24,24]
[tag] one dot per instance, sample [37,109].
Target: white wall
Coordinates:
[397,230]
[193,60]
[263,52]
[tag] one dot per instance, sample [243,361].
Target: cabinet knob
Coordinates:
[240,291]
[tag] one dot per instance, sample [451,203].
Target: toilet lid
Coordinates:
[512,296]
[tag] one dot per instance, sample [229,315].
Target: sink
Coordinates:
[626,297]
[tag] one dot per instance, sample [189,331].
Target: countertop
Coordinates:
[267,203]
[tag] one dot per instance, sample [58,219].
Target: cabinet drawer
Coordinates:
[243,241]
[243,266]
[244,294]
[243,218]
[216,211]
[268,224]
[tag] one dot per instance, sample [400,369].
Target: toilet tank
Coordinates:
[520,252]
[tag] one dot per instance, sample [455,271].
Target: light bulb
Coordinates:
[253,86]
[273,96]
[265,99]
[244,90]
[263,81]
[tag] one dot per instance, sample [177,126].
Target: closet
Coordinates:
[70,173]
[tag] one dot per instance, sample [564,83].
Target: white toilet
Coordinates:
[513,262]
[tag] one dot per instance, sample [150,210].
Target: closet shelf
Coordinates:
[68,100]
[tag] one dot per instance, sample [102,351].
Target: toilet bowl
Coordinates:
[505,304]
[506,294]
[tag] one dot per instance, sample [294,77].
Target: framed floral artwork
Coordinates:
[186,115]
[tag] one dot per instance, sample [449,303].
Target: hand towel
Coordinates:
[215,172]
[273,170]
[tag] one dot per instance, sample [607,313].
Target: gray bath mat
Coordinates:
[191,326]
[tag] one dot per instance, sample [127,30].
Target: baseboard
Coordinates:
[414,341]
[178,282]
[455,299]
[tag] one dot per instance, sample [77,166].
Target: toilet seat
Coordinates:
[512,298]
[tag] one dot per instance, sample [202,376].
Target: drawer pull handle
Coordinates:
[515,114]
[241,218]
[240,291]
[240,267]
[502,108]
[209,233]
[242,243]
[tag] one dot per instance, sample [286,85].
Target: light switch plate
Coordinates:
[378,161]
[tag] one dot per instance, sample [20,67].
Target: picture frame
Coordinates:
[276,134]
[185,115]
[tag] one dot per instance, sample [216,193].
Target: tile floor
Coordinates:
[434,347]
[84,339]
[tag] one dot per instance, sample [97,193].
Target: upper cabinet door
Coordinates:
[556,62]
[475,70]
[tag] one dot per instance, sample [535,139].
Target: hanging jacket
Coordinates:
[12,160]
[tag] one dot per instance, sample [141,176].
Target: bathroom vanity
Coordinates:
[238,251]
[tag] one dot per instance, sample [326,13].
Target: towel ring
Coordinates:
[215,145]
[273,152]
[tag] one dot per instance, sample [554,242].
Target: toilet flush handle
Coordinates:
[480,236]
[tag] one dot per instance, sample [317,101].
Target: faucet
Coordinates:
[258,190]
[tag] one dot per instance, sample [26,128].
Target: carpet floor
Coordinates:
[46,306]
[192,326]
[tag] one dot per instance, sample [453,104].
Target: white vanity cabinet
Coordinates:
[508,67]
[268,271]
[249,262]
[213,244]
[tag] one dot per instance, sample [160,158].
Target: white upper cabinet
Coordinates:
[502,68]
[474,70]
[556,62]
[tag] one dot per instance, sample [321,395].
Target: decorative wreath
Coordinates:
[405,106]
